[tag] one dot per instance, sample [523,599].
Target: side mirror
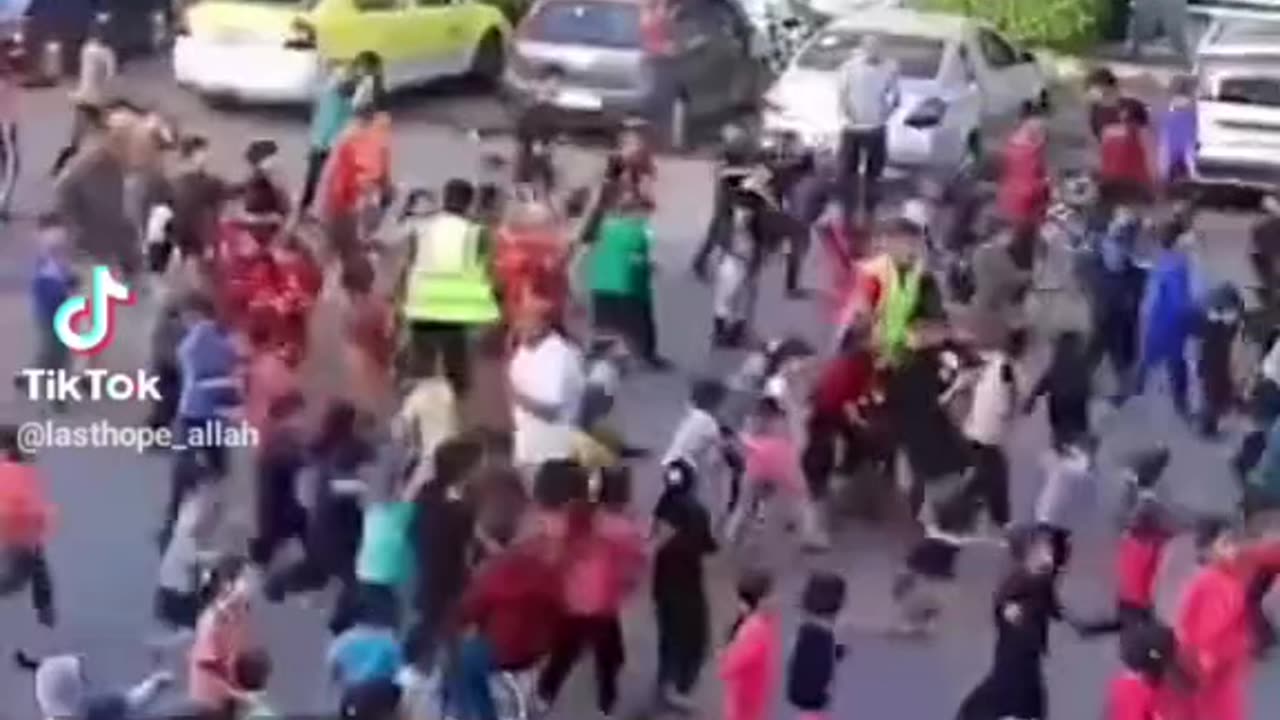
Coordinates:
[1027,56]
[791,23]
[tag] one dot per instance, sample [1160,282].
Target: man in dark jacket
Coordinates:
[738,153]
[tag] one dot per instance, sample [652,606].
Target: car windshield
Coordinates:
[602,24]
[1250,91]
[917,57]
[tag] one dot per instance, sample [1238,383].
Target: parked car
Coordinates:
[1238,64]
[782,26]
[618,60]
[957,75]
[27,27]
[275,51]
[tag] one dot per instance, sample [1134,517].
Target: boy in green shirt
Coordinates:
[619,277]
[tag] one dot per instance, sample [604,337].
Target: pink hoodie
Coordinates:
[749,667]
[773,459]
[606,567]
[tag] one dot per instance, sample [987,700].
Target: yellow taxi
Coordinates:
[276,51]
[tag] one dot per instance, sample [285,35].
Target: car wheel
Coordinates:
[487,63]
[677,124]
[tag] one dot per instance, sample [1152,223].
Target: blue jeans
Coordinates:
[467,690]
[1175,363]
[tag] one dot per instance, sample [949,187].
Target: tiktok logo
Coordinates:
[98,308]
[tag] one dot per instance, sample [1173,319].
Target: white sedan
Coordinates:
[957,76]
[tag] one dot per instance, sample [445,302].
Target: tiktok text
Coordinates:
[93,385]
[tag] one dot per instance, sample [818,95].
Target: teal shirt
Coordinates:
[385,555]
[330,115]
[620,257]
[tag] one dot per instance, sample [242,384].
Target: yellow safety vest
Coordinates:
[448,281]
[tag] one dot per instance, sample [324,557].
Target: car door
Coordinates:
[1008,76]
[696,57]
[958,79]
[371,26]
[437,33]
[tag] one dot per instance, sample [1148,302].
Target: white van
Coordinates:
[1238,67]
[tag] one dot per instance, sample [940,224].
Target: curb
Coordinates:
[1064,69]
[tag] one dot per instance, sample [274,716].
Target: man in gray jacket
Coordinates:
[868,96]
[91,196]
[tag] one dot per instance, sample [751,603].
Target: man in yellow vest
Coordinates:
[447,286]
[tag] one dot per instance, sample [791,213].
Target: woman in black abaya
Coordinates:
[1025,604]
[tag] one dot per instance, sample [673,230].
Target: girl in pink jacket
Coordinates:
[773,472]
[749,665]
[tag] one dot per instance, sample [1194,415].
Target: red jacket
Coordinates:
[845,380]
[25,512]
[604,567]
[361,165]
[527,262]
[301,280]
[842,250]
[1215,633]
[1123,155]
[1023,195]
[513,600]
[1132,697]
[1137,564]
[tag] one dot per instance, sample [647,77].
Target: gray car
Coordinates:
[616,61]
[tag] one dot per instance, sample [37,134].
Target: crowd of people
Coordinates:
[463,551]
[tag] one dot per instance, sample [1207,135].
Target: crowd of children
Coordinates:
[462,554]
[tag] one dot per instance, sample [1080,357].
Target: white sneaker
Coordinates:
[678,702]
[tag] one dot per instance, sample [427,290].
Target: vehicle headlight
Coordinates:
[927,114]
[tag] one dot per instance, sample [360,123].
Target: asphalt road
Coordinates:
[104,562]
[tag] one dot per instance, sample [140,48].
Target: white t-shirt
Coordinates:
[549,373]
[695,440]
[993,405]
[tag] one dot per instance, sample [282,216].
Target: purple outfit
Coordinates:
[1178,134]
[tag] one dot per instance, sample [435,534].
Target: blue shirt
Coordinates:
[51,285]
[207,361]
[365,653]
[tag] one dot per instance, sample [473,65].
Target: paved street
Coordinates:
[104,562]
